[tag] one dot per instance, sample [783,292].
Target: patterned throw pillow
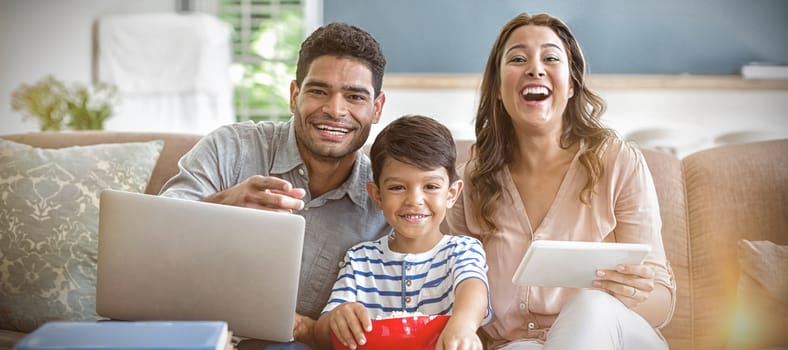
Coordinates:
[49,203]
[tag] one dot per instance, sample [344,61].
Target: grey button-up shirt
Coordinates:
[335,221]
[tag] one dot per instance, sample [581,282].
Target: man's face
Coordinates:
[334,108]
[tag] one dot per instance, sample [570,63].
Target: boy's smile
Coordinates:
[414,202]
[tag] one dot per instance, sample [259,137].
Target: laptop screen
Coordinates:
[171,259]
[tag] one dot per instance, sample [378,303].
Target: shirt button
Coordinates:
[341,263]
[301,171]
[407,299]
[408,283]
[522,306]
[531,325]
[407,267]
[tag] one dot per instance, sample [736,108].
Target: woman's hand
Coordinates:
[349,322]
[632,284]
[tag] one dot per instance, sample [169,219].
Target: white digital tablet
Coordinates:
[573,264]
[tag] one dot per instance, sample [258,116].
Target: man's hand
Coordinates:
[303,330]
[262,192]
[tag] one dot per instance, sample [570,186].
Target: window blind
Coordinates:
[266,35]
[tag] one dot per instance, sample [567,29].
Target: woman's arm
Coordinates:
[648,289]
[636,287]
[656,308]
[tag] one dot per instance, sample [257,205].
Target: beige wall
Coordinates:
[695,117]
[41,37]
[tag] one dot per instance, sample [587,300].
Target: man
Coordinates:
[310,165]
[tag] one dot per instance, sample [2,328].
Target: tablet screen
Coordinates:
[573,264]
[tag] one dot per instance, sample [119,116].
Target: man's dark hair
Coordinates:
[343,41]
[416,140]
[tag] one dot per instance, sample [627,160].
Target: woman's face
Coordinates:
[535,79]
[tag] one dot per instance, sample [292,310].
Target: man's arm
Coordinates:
[211,171]
[304,330]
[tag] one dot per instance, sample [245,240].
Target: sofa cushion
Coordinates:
[49,200]
[762,297]
[669,183]
[733,192]
[9,338]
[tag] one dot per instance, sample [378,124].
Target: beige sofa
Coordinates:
[709,200]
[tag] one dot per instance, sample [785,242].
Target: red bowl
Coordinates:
[411,332]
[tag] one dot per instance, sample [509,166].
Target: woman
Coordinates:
[543,167]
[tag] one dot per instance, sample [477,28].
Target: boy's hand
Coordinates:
[470,307]
[348,322]
[458,335]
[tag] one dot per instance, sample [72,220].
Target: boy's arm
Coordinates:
[470,303]
[322,332]
[470,309]
[348,316]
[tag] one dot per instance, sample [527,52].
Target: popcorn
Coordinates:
[400,314]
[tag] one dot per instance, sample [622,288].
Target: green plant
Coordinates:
[42,101]
[56,105]
[266,67]
[89,106]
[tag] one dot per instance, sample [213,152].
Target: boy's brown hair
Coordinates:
[416,140]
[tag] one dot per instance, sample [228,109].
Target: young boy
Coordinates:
[416,268]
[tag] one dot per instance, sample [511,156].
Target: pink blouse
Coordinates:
[623,208]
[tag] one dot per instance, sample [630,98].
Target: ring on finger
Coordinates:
[634,292]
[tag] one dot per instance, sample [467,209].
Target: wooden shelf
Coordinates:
[597,82]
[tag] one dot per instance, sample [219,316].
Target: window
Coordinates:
[266,37]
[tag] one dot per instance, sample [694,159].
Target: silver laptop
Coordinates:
[170,259]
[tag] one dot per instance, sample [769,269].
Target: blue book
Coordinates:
[120,335]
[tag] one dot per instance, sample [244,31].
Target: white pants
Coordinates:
[596,320]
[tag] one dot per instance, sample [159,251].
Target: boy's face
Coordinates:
[414,202]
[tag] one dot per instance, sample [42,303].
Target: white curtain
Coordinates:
[171,69]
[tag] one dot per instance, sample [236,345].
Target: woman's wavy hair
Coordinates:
[495,137]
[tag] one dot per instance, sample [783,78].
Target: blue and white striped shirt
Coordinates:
[385,281]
